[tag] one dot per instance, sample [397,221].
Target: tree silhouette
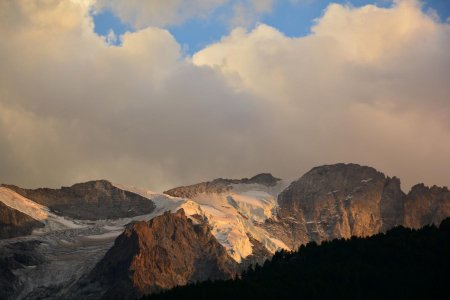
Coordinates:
[401,264]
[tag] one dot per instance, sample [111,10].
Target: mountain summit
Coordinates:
[96,239]
[92,200]
[167,251]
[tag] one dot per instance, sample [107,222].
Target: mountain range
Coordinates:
[402,263]
[98,240]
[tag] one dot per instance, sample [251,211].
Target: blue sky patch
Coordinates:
[105,21]
[293,19]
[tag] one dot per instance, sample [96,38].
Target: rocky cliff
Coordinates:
[332,201]
[229,225]
[221,185]
[14,223]
[167,251]
[234,210]
[426,205]
[91,200]
[344,200]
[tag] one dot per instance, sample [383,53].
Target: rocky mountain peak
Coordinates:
[15,223]
[221,185]
[423,189]
[426,205]
[342,170]
[92,200]
[340,200]
[330,180]
[266,179]
[166,251]
[230,220]
[419,188]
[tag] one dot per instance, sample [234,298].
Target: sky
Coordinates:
[294,18]
[164,93]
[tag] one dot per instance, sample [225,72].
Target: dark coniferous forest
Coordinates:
[401,264]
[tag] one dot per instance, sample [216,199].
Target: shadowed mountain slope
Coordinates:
[401,264]
[91,200]
[167,251]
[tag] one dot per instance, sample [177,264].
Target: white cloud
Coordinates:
[369,85]
[111,37]
[363,67]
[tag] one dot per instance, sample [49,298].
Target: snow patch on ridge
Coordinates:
[36,211]
[232,216]
[24,205]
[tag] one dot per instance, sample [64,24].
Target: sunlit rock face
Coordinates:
[93,200]
[219,228]
[426,205]
[14,223]
[236,210]
[328,202]
[338,201]
[167,251]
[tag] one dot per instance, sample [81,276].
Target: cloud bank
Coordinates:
[369,85]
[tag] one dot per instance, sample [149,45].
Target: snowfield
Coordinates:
[36,211]
[232,216]
[71,248]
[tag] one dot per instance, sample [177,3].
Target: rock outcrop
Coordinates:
[333,201]
[392,204]
[93,200]
[221,185]
[234,210]
[344,200]
[14,223]
[229,221]
[13,257]
[426,205]
[167,251]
